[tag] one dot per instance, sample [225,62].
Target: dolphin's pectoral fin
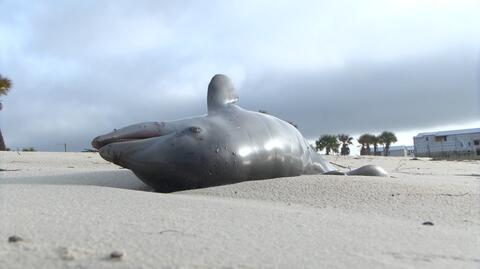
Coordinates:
[368,170]
[221,92]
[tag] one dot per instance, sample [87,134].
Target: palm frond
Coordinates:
[5,85]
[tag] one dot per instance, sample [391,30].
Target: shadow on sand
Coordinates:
[122,179]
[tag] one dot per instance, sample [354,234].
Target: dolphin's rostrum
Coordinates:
[228,145]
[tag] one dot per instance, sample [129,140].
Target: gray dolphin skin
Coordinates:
[228,145]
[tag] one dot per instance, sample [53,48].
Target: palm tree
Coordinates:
[388,138]
[362,141]
[381,142]
[346,140]
[366,140]
[327,142]
[5,85]
[375,142]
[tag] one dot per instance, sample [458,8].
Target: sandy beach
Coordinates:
[72,210]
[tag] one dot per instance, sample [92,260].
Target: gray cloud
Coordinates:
[410,94]
[83,68]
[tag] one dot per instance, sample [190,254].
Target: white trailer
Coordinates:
[464,144]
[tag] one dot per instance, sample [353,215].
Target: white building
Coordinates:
[397,151]
[402,151]
[448,144]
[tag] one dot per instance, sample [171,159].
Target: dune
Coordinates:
[75,210]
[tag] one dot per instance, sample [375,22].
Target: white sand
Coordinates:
[74,209]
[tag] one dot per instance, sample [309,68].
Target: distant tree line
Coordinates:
[385,139]
[332,143]
[23,149]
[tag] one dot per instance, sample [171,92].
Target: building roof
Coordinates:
[453,132]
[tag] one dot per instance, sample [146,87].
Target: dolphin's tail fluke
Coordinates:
[368,170]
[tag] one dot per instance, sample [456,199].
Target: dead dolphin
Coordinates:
[228,145]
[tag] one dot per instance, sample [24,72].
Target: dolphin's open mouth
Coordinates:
[98,142]
[130,133]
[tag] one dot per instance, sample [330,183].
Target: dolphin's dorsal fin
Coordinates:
[221,93]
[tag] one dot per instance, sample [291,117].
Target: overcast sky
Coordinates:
[82,68]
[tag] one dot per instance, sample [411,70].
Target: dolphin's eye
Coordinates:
[195,130]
